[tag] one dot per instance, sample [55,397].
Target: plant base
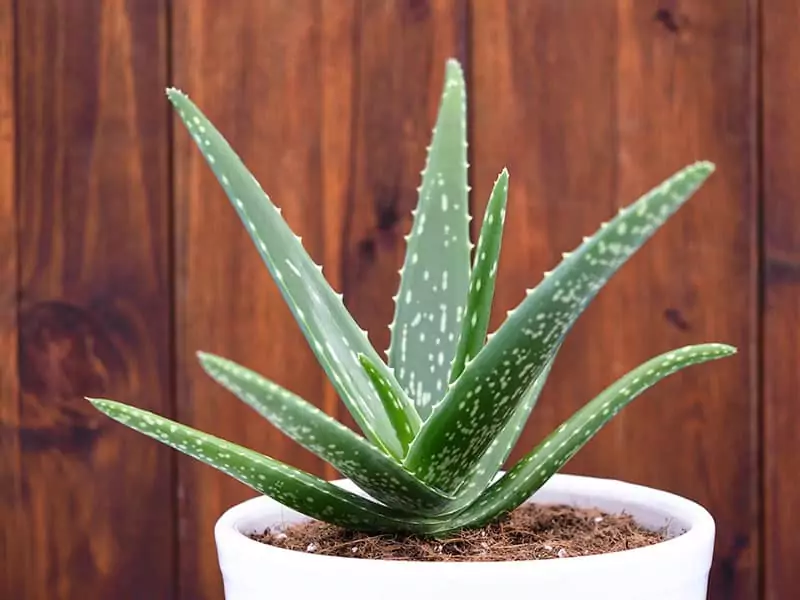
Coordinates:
[676,568]
[532,532]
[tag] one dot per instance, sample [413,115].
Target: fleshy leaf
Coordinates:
[434,279]
[481,287]
[291,487]
[404,428]
[377,474]
[500,449]
[333,335]
[483,399]
[533,471]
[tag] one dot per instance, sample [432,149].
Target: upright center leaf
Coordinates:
[435,276]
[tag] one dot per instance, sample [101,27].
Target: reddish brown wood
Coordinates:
[403,47]
[94,513]
[330,103]
[781,377]
[590,104]
[259,73]
[13,579]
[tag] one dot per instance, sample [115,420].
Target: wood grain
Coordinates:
[96,506]
[590,104]
[781,350]
[403,47]
[13,579]
[259,73]
[330,103]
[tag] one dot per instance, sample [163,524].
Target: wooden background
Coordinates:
[120,256]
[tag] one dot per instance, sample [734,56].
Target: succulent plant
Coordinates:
[440,417]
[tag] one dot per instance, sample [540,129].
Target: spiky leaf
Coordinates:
[404,427]
[480,403]
[333,335]
[500,449]
[481,287]
[532,471]
[291,487]
[377,474]
[435,275]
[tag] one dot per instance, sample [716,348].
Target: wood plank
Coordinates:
[97,504]
[590,104]
[402,52]
[781,344]
[12,577]
[256,72]
[330,103]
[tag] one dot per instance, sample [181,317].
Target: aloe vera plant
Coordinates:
[440,417]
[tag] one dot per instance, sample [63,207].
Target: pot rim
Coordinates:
[699,530]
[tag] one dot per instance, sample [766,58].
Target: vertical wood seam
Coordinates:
[15,95]
[172,343]
[757,189]
[16,376]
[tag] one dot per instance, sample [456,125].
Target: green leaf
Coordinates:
[291,487]
[335,338]
[481,288]
[377,474]
[434,279]
[483,399]
[530,473]
[500,449]
[403,426]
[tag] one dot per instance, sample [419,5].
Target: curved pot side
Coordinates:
[677,569]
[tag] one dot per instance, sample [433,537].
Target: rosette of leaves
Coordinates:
[440,417]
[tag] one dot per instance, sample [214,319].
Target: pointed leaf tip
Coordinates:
[453,68]
[336,444]
[175,95]
[294,488]
[316,307]
[435,275]
[536,467]
[475,324]
[706,164]
[445,451]
[404,425]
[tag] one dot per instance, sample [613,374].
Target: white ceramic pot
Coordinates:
[676,569]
